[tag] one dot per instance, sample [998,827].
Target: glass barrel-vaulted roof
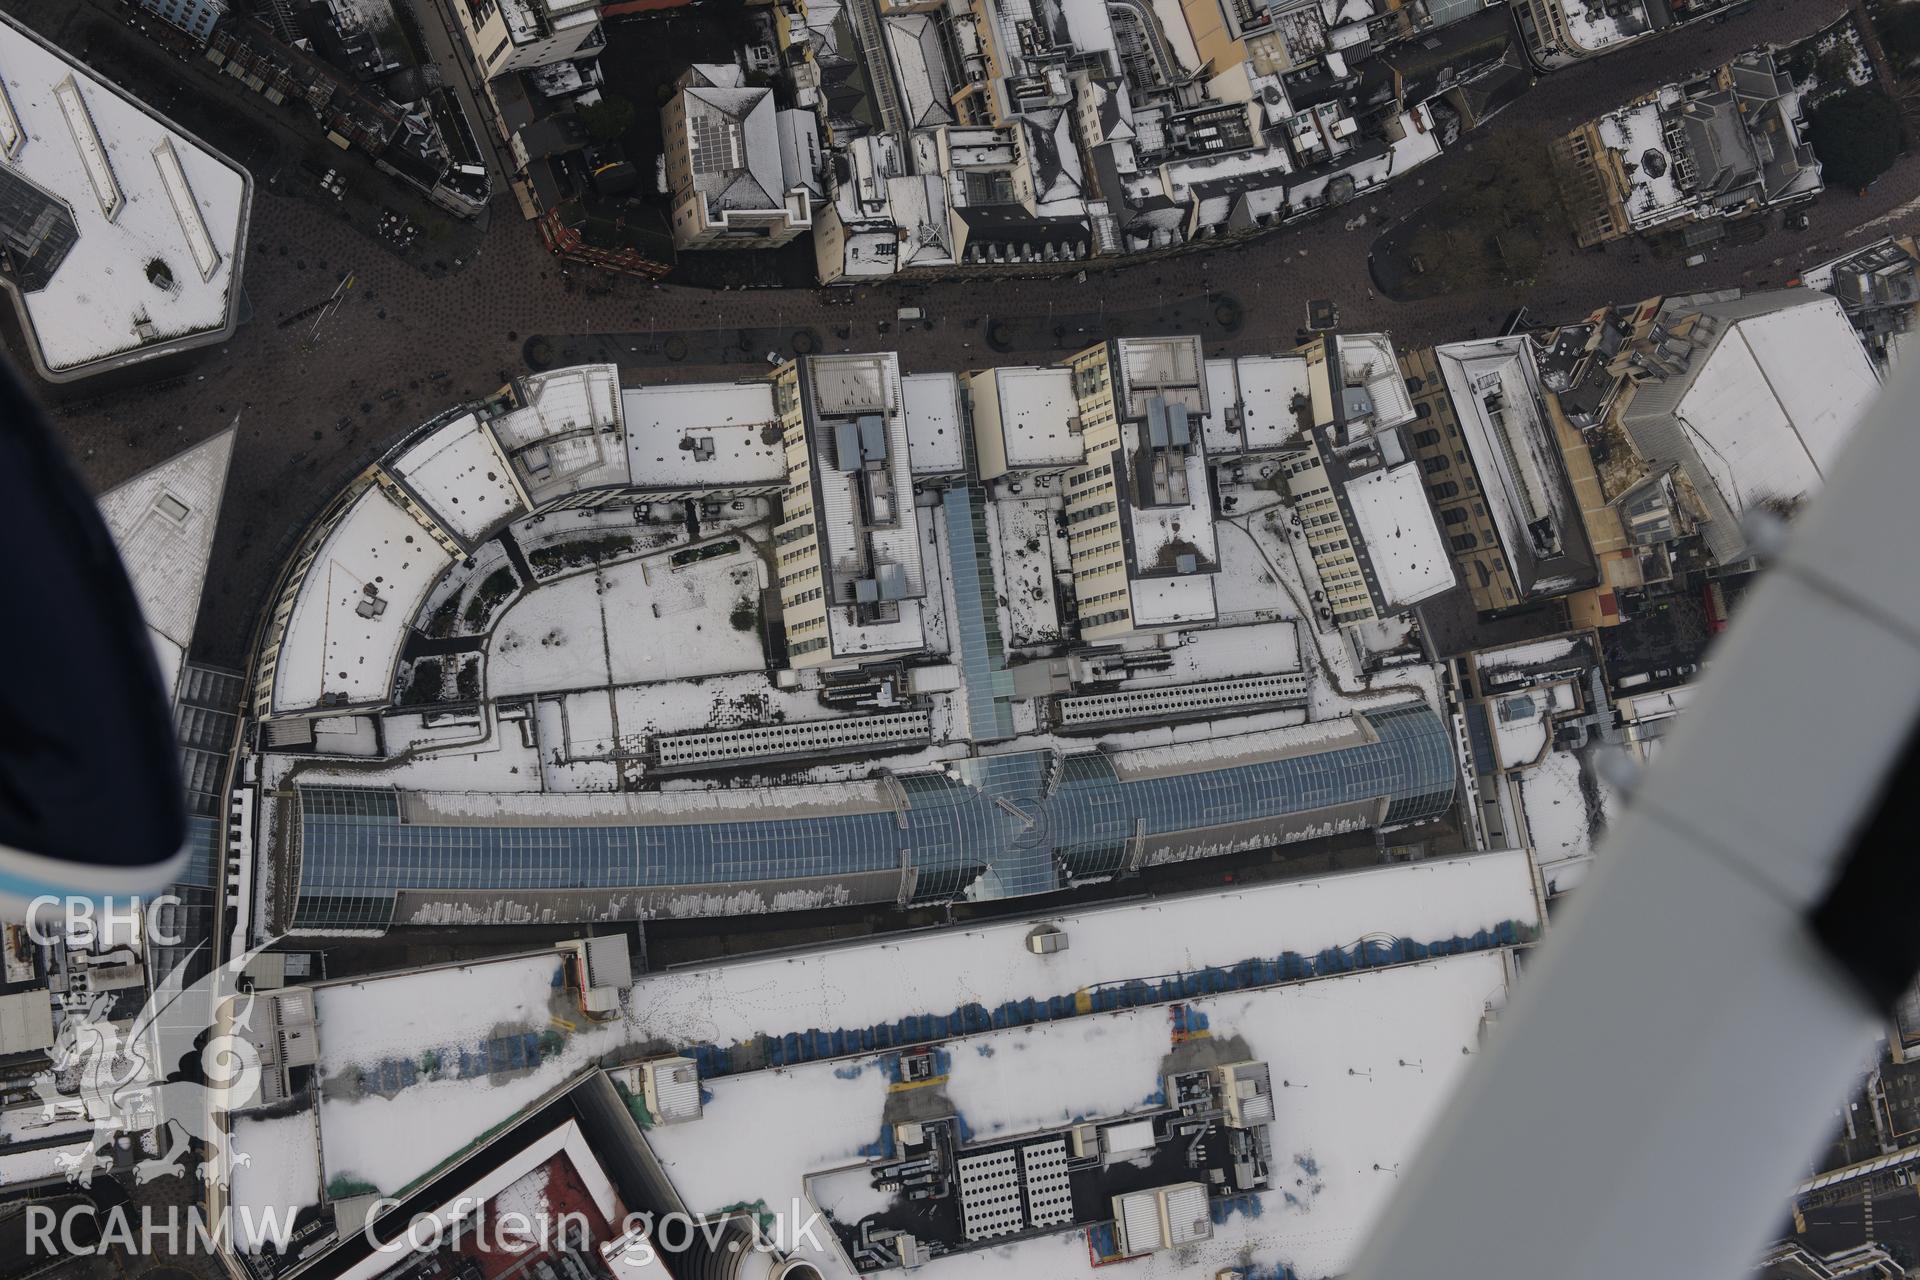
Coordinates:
[993,826]
[976,620]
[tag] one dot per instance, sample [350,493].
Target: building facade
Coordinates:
[513,35]
[1139,517]
[732,183]
[195,17]
[1454,486]
[1729,146]
[1353,468]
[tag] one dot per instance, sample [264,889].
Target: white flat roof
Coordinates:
[279,1177]
[705,435]
[163,521]
[567,434]
[1268,385]
[1221,752]
[1368,359]
[1169,601]
[936,436]
[391,1141]
[846,388]
[1409,554]
[851,636]
[330,646]
[1776,400]
[1035,404]
[40,1164]
[1362,1065]
[1223,396]
[938,969]
[105,155]
[463,478]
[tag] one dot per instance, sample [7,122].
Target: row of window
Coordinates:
[1331,580]
[1081,479]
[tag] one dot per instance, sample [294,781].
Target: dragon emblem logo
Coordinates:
[176,1070]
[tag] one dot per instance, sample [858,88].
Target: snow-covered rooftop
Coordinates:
[1184,526]
[1638,134]
[1775,401]
[529,21]
[1268,386]
[163,520]
[460,474]
[1368,360]
[354,606]
[733,144]
[139,192]
[1403,540]
[634,621]
[279,1177]
[1518,663]
[565,434]
[1363,1064]
[1566,813]
[1035,406]
[913,40]
[392,1140]
[706,435]
[1596,26]
[936,429]
[844,391]
[1159,602]
[1520,726]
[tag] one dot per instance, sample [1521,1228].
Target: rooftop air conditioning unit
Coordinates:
[1165,1218]
[602,972]
[671,1089]
[1047,939]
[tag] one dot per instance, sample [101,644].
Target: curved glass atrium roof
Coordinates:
[992,826]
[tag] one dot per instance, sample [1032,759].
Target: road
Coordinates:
[314,412]
[1896,1224]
